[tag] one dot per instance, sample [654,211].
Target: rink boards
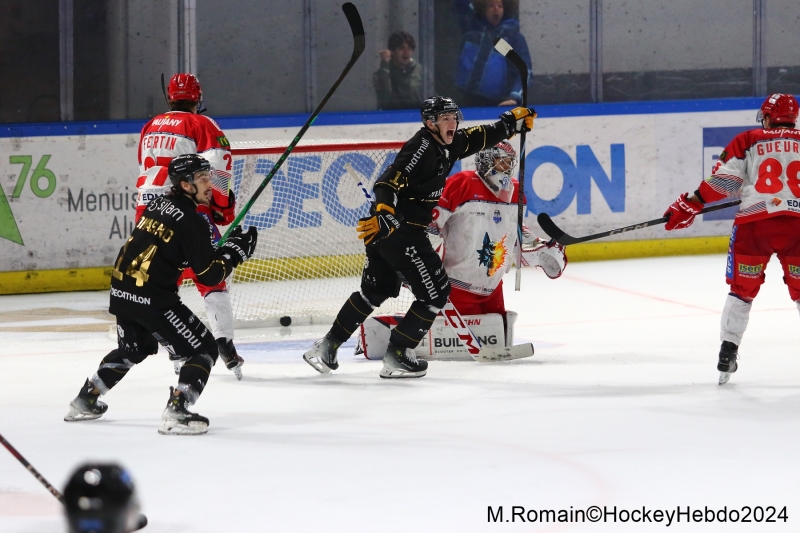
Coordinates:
[67,192]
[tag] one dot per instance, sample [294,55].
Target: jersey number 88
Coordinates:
[769,177]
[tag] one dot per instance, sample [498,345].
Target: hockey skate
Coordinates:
[400,362]
[178,420]
[322,356]
[727,365]
[86,405]
[233,361]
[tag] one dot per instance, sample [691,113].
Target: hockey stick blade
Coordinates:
[509,353]
[141,522]
[354,20]
[550,227]
[359,43]
[506,50]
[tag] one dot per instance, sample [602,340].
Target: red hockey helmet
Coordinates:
[184,86]
[781,108]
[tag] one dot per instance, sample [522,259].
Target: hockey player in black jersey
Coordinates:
[398,249]
[169,237]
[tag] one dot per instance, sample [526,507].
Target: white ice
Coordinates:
[619,406]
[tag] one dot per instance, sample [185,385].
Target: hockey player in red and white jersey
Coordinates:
[183,130]
[477,219]
[763,165]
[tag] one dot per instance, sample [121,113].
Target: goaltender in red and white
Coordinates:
[477,219]
[183,130]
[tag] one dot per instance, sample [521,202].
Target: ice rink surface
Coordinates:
[619,406]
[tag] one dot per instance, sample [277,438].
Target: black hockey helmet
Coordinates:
[184,167]
[437,105]
[100,498]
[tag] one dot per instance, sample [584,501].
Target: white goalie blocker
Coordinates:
[441,343]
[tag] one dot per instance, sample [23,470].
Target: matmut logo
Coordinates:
[794,271]
[750,270]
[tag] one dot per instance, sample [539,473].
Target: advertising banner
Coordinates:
[68,201]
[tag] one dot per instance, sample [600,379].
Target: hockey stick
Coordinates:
[480,353]
[164,90]
[558,234]
[502,46]
[359,42]
[142,522]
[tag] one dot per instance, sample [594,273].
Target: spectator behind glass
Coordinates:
[398,81]
[485,76]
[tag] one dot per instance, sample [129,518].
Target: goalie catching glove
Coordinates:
[682,212]
[239,246]
[518,120]
[547,255]
[381,223]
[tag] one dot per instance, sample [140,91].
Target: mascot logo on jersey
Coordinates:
[492,255]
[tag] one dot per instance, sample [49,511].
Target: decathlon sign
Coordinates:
[309,190]
[578,173]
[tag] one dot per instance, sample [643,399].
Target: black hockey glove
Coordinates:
[518,120]
[239,246]
[381,223]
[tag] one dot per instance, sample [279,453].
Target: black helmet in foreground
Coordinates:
[100,498]
[184,167]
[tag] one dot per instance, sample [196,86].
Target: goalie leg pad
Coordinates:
[511,319]
[373,337]
[440,343]
[735,316]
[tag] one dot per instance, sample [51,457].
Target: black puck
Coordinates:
[286,321]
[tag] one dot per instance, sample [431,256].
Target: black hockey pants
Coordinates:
[175,328]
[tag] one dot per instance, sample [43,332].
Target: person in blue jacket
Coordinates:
[484,75]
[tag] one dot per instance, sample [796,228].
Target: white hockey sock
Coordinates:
[735,315]
[220,314]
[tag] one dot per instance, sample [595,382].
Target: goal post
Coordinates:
[308,259]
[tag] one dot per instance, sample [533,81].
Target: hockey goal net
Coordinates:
[308,259]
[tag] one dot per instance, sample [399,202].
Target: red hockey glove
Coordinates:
[682,212]
[224,215]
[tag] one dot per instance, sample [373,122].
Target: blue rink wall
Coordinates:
[67,190]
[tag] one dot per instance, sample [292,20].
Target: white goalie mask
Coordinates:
[495,167]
